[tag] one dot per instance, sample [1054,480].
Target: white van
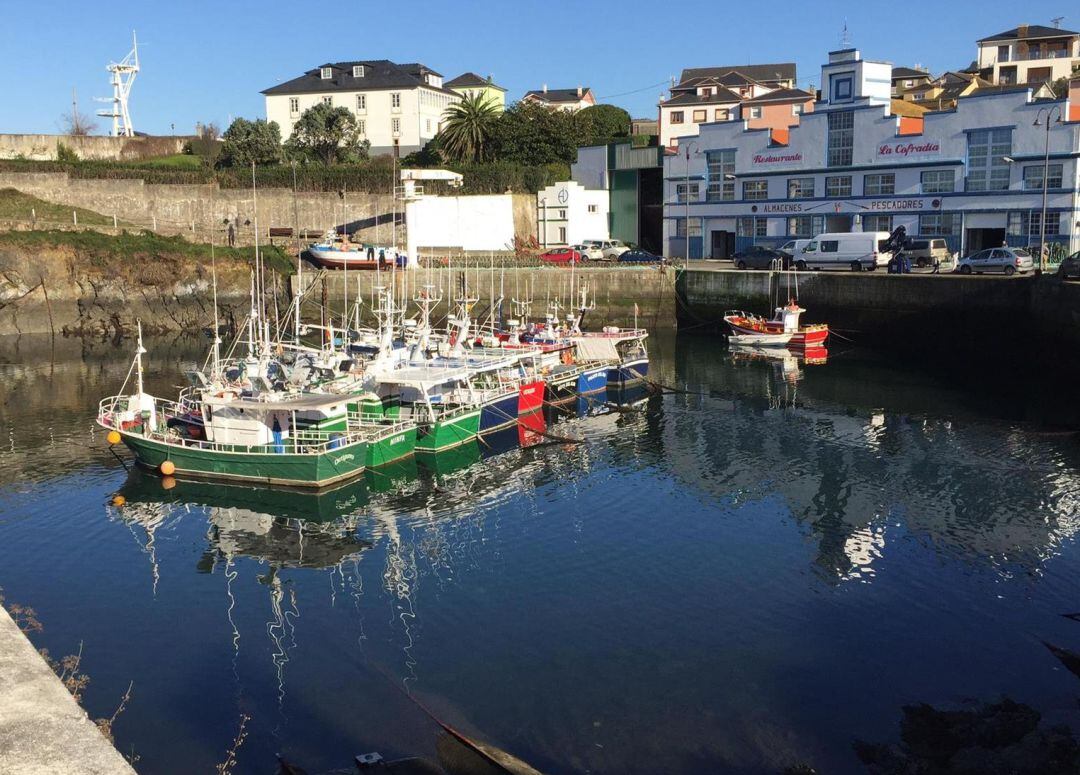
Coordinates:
[792,248]
[856,250]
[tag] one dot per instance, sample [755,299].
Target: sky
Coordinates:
[207,61]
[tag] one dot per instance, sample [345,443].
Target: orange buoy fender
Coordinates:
[113,437]
[167,467]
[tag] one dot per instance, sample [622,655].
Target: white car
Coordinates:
[1006,260]
[590,250]
[611,249]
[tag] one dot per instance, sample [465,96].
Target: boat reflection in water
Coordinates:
[787,363]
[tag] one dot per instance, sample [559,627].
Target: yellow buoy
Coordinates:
[168,467]
[113,437]
[119,500]
[168,482]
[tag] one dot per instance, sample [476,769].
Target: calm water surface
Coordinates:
[742,577]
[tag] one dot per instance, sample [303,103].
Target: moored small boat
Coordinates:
[782,330]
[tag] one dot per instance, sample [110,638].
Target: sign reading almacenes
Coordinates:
[908,150]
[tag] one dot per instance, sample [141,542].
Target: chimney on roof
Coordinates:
[579,91]
[1022,31]
[545,88]
[491,78]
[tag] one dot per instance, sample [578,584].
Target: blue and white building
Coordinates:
[972,175]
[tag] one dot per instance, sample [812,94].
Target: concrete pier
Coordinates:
[990,319]
[43,731]
[614,289]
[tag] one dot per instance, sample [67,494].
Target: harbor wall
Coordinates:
[200,211]
[89,147]
[615,290]
[1031,317]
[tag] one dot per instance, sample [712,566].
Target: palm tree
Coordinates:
[468,127]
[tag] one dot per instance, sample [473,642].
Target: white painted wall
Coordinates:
[464,222]
[568,213]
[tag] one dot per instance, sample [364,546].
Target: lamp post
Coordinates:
[686,202]
[1050,121]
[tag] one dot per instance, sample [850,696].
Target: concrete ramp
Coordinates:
[43,731]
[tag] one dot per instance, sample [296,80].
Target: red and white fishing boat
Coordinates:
[783,330]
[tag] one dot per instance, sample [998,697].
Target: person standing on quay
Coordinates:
[232,234]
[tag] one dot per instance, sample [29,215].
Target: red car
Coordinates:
[562,256]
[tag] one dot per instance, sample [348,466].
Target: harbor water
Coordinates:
[759,571]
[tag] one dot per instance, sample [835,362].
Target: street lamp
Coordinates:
[1050,121]
[686,202]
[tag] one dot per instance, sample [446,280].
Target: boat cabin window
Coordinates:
[830,246]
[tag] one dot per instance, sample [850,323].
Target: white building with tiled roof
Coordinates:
[571,100]
[708,94]
[399,107]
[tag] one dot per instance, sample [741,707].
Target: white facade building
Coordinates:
[569,100]
[568,214]
[1029,53]
[972,175]
[399,107]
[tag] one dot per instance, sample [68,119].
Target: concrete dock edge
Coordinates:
[43,731]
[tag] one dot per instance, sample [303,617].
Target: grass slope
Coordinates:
[100,248]
[16,205]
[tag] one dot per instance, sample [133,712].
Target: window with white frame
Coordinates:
[326,73]
[687,192]
[1025,223]
[877,223]
[395,100]
[721,167]
[328,100]
[1033,177]
[294,105]
[358,71]
[938,181]
[939,224]
[755,112]
[695,227]
[755,189]
[801,226]
[361,102]
[987,169]
[361,127]
[879,184]
[839,185]
[750,226]
[796,109]
[395,126]
[841,138]
[427,125]
[562,235]
[800,188]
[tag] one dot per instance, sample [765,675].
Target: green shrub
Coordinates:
[65,154]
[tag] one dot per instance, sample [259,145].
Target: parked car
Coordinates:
[562,256]
[760,257]
[927,252]
[1006,260]
[612,248]
[591,250]
[794,247]
[1070,267]
[856,250]
[639,256]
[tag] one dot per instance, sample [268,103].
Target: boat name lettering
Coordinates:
[398,439]
[345,458]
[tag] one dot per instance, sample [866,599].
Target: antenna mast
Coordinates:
[122,77]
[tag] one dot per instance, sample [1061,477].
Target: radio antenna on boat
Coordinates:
[217,325]
[299,296]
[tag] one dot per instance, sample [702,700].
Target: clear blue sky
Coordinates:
[207,61]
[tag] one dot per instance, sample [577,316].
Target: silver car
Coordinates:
[1006,260]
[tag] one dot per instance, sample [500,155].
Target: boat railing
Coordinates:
[305,442]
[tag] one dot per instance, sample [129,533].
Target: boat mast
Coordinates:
[299,262]
[217,324]
[138,359]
